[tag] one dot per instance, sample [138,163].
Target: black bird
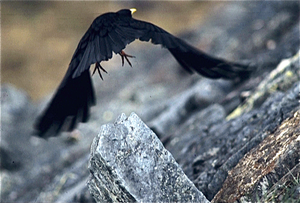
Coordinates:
[109,33]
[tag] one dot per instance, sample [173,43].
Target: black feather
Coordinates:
[109,33]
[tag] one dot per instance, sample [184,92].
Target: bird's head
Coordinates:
[126,12]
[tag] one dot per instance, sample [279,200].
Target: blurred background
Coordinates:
[39,38]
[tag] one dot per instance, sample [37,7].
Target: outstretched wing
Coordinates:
[70,105]
[75,95]
[109,33]
[189,57]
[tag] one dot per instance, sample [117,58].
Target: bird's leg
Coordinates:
[98,67]
[126,56]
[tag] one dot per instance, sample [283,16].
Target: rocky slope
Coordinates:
[235,140]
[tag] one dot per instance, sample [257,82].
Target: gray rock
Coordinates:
[129,163]
[180,108]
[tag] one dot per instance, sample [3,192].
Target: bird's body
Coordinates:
[109,33]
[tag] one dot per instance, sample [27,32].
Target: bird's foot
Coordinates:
[126,56]
[98,67]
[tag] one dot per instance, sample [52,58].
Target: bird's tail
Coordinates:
[69,106]
[193,59]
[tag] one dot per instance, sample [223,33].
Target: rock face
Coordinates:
[235,140]
[129,164]
[275,157]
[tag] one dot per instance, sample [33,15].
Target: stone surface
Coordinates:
[220,146]
[129,163]
[262,167]
[281,78]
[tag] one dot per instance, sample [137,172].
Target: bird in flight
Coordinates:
[111,32]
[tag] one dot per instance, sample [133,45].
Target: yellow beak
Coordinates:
[132,10]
